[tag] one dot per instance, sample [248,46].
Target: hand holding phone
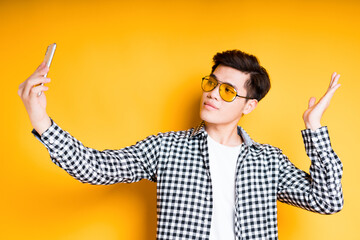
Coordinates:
[30,92]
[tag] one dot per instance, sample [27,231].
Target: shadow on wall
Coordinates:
[183,106]
[192,119]
[144,191]
[287,220]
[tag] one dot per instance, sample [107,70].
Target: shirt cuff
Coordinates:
[318,140]
[53,138]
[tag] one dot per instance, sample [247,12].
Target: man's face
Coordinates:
[214,110]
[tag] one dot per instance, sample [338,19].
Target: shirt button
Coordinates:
[51,141]
[315,139]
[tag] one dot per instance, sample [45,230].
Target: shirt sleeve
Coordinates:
[88,165]
[321,190]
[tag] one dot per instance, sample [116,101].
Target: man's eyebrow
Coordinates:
[214,76]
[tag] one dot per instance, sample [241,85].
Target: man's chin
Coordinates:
[207,118]
[216,119]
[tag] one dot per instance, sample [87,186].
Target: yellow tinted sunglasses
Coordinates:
[227,92]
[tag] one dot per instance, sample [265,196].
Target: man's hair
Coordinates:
[258,85]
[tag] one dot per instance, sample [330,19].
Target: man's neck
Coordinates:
[226,134]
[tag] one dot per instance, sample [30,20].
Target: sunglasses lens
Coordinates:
[227,92]
[208,84]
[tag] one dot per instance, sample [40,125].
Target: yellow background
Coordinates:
[126,69]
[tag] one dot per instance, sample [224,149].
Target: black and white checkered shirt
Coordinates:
[179,163]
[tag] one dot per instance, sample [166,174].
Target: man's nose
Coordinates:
[215,93]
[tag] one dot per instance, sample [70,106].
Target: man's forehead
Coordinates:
[230,75]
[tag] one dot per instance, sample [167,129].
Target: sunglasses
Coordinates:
[227,92]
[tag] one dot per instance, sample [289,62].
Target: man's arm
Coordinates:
[321,191]
[85,164]
[88,165]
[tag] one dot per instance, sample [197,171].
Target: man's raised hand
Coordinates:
[35,104]
[312,116]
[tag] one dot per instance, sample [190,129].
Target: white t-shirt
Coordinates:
[222,170]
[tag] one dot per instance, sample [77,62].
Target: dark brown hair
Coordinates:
[258,85]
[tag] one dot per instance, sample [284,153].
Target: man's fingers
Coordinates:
[334,79]
[328,95]
[42,70]
[39,80]
[21,88]
[35,91]
[333,75]
[312,101]
[334,88]
[41,65]
[33,82]
[35,79]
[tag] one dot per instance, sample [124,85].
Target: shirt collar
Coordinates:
[199,131]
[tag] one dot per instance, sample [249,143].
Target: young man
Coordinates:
[213,181]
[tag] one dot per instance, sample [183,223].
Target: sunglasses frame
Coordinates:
[221,83]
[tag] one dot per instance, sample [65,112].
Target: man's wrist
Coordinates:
[41,126]
[313,126]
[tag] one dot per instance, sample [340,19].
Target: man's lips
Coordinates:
[210,106]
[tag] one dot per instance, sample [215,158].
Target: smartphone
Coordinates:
[49,55]
[50,51]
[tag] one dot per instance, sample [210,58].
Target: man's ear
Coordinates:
[250,106]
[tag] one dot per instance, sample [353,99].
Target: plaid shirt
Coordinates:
[179,163]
